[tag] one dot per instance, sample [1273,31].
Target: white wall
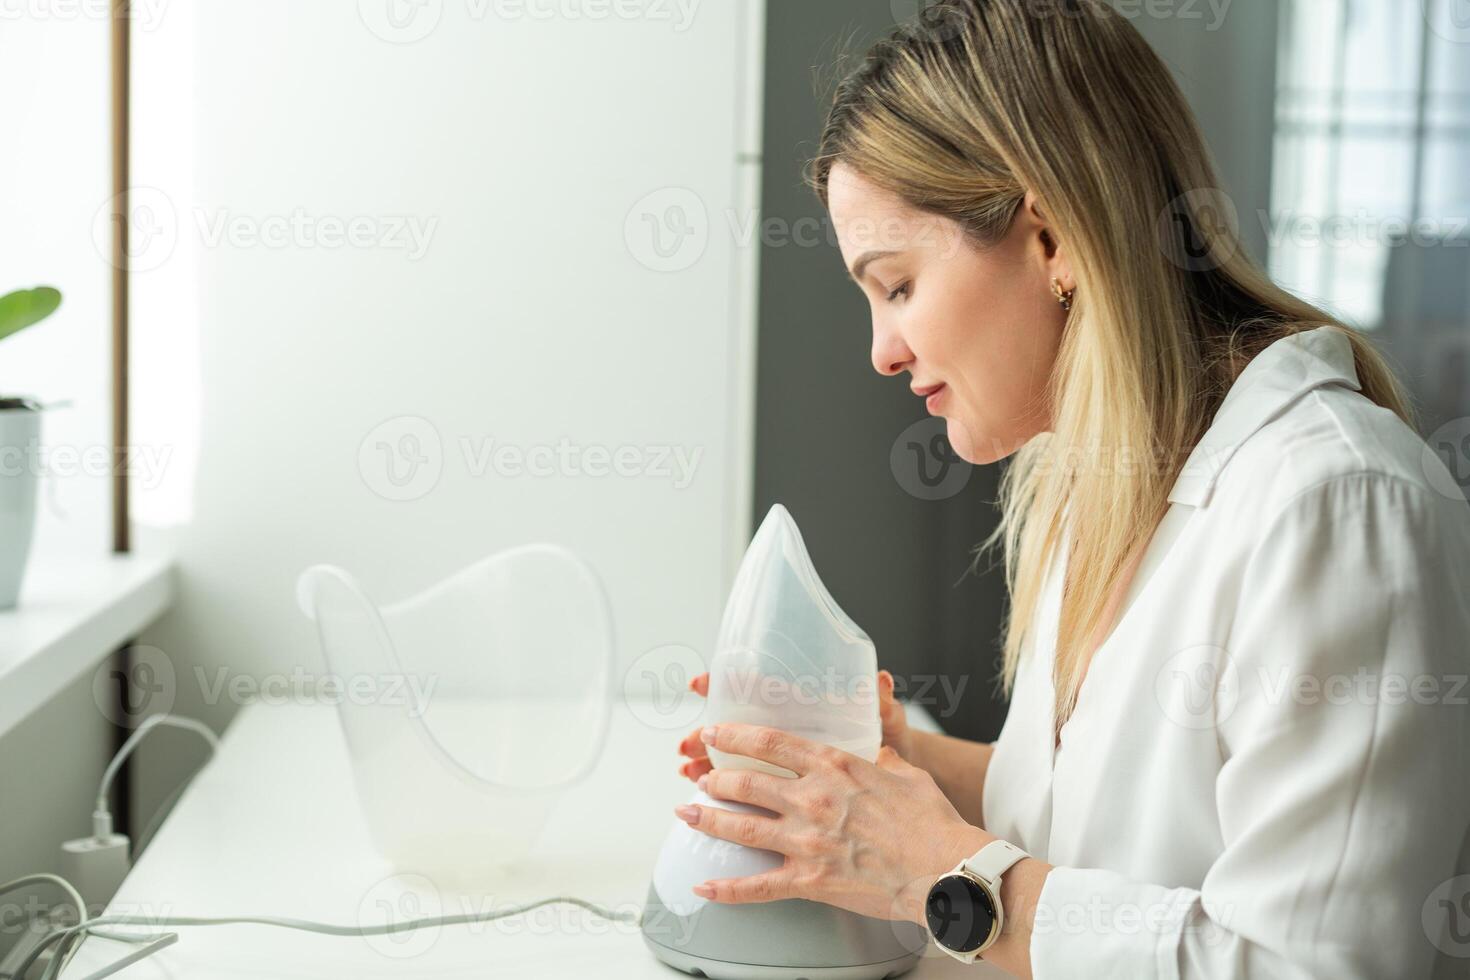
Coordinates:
[529,309]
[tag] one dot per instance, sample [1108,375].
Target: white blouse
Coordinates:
[1267,772]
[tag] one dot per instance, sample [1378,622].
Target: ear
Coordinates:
[1053,251]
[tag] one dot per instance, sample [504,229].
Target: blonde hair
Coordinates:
[963,110]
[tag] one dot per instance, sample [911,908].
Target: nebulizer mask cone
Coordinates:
[786,657]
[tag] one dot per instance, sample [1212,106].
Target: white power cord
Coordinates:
[97,864]
[101,815]
[67,938]
[77,903]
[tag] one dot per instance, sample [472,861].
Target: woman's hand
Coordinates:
[896,731]
[867,837]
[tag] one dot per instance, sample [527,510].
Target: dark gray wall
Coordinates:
[50,767]
[827,424]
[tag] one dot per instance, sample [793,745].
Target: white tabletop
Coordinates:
[272,827]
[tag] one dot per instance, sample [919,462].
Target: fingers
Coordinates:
[750,829]
[746,786]
[767,744]
[698,763]
[695,768]
[693,747]
[889,710]
[890,760]
[768,887]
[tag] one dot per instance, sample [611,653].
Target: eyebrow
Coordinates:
[862,262]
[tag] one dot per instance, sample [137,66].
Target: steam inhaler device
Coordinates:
[786,657]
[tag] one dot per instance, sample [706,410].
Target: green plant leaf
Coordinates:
[25,307]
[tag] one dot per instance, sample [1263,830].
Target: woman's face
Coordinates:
[984,325]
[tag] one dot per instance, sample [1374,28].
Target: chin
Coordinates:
[981,451]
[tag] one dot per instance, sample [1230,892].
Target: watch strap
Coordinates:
[992,861]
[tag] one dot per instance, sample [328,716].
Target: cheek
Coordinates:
[1001,363]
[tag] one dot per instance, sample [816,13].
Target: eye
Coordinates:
[900,291]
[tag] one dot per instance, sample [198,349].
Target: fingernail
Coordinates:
[707,735]
[687,812]
[704,891]
[703,779]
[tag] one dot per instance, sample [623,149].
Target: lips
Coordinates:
[931,395]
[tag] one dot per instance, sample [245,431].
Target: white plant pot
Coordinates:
[20,432]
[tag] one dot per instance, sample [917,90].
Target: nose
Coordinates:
[890,354]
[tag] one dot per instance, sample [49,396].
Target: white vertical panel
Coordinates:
[745,275]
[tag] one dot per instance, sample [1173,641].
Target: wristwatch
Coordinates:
[963,907]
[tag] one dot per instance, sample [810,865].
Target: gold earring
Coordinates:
[1064,296]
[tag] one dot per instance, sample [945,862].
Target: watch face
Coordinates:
[960,913]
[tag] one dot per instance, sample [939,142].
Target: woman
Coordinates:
[1231,561]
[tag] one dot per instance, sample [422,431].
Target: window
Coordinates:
[1370,212]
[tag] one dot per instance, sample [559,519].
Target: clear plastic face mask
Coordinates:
[521,640]
[786,657]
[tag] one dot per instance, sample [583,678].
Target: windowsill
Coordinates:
[73,612]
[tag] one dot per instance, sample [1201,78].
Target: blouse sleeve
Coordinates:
[1342,795]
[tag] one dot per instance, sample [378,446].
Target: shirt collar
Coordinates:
[1278,376]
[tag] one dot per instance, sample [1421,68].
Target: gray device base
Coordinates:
[790,939]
